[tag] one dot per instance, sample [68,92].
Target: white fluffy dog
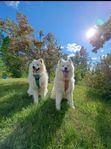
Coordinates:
[63,83]
[38,79]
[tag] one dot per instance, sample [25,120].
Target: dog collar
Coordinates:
[37,77]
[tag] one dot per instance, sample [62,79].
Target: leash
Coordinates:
[37,78]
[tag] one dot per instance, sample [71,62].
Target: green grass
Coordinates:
[24,125]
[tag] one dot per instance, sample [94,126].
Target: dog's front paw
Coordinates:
[52,95]
[35,101]
[29,92]
[73,106]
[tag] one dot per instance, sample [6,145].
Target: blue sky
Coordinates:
[69,21]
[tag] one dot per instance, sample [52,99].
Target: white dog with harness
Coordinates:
[38,79]
[64,83]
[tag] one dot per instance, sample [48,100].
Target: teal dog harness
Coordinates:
[37,78]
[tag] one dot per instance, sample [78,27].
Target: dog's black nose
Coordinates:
[33,67]
[65,68]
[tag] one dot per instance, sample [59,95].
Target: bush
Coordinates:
[100,78]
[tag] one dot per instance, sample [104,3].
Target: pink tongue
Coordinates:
[65,74]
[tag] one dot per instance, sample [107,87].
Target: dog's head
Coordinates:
[66,67]
[37,66]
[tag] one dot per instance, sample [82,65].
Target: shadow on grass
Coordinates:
[6,88]
[103,125]
[93,94]
[38,129]
[13,98]
[103,118]
[96,94]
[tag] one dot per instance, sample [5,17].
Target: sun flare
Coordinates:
[91,32]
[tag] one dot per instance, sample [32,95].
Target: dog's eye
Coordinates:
[37,64]
[62,65]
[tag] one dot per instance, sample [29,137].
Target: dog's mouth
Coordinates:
[65,73]
[35,69]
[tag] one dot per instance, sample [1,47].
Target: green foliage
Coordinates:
[11,61]
[20,47]
[78,76]
[2,68]
[100,78]
[52,54]
[80,61]
[25,125]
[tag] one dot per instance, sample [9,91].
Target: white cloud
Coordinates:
[13,4]
[102,51]
[62,47]
[94,58]
[73,47]
[71,55]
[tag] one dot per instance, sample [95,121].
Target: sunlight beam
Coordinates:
[90,33]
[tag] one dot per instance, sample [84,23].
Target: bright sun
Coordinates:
[90,33]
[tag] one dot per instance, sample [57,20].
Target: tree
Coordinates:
[102,35]
[16,42]
[2,68]
[52,53]
[100,77]
[80,61]
[19,45]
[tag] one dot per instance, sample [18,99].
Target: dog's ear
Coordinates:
[34,60]
[69,59]
[61,60]
[41,60]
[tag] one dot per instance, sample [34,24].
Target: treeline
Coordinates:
[19,45]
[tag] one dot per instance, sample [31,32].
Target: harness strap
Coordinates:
[37,78]
[66,85]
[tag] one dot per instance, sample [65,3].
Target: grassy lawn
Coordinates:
[24,125]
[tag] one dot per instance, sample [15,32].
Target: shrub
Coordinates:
[100,77]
